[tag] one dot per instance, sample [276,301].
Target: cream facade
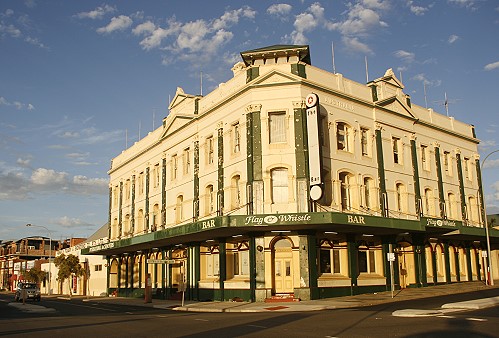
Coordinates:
[227,199]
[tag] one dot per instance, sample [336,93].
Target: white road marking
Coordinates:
[477,319]
[444,316]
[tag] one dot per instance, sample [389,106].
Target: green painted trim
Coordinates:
[108,274]
[353,269]
[468,262]
[480,190]
[120,212]
[110,206]
[434,267]
[163,192]
[252,267]
[312,265]
[196,180]
[441,198]
[299,69]
[461,186]
[381,173]
[252,73]
[447,263]
[222,253]
[301,143]
[374,92]
[132,211]
[196,105]
[415,170]
[147,224]
[420,259]
[257,147]
[220,192]
[456,265]
[385,249]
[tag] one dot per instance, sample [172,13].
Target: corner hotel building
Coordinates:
[291,180]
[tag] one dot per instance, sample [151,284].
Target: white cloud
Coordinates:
[422,78]
[491,66]
[418,10]
[24,162]
[68,222]
[15,185]
[463,3]
[405,55]
[354,45]
[361,19]
[280,10]
[10,30]
[453,38]
[34,42]
[97,13]
[144,28]
[491,164]
[230,18]
[16,104]
[119,23]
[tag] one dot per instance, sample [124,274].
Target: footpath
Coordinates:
[483,300]
[314,305]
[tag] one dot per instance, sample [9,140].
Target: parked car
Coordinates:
[32,291]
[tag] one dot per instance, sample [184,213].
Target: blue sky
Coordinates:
[81,80]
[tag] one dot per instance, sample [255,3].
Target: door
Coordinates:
[283,267]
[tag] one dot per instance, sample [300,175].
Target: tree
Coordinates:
[34,275]
[68,266]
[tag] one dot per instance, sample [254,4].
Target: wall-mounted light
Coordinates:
[331,232]
[259,248]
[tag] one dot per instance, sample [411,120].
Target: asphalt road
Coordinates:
[75,318]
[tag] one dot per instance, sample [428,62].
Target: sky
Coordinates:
[82,80]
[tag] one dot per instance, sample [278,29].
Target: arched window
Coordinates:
[451,206]
[126,226]
[368,192]
[401,197]
[140,221]
[279,185]
[346,184]
[236,191]
[178,209]
[155,217]
[429,203]
[209,200]
[472,209]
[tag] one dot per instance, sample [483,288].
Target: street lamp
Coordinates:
[489,260]
[50,252]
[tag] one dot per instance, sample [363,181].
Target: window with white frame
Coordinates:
[447,163]
[210,150]
[209,200]
[401,197]
[346,185]
[212,262]
[174,167]
[179,209]
[425,159]
[240,255]
[236,191]
[368,192]
[467,172]
[364,141]
[429,202]
[451,206]
[156,175]
[329,257]
[115,196]
[366,259]
[397,150]
[280,188]
[472,209]
[187,160]
[127,190]
[277,127]
[343,135]
[141,183]
[236,138]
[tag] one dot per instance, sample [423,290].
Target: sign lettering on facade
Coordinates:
[314,153]
[277,219]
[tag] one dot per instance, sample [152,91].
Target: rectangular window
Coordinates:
[174,166]
[342,135]
[280,185]
[424,157]
[141,183]
[467,168]
[396,150]
[98,267]
[447,161]
[277,127]
[236,138]
[364,138]
[127,190]
[156,175]
[210,150]
[213,265]
[187,161]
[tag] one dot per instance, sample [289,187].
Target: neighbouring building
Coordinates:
[18,256]
[292,180]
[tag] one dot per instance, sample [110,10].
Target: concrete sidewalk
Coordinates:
[310,305]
